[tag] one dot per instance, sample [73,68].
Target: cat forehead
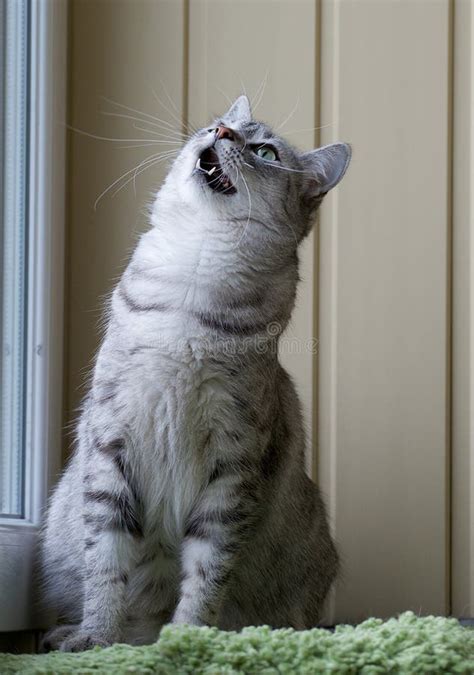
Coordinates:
[257,129]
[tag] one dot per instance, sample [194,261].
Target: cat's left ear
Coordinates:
[239,111]
[325,167]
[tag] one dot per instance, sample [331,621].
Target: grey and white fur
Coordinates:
[186,499]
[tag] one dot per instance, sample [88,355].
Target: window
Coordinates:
[14,145]
[32,130]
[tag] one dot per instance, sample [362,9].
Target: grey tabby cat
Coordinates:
[187,498]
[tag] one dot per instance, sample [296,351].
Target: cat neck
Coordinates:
[203,267]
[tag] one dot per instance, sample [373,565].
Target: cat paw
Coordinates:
[189,618]
[82,640]
[56,636]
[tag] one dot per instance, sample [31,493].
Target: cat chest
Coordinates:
[186,394]
[186,422]
[194,402]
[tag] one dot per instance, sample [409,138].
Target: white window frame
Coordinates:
[44,353]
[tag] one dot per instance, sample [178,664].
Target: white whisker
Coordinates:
[184,123]
[176,139]
[173,104]
[137,173]
[145,166]
[243,88]
[288,118]
[298,131]
[169,141]
[286,168]
[139,119]
[146,143]
[240,174]
[181,122]
[229,101]
[139,112]
[260,91]
[127,173]
[112,140]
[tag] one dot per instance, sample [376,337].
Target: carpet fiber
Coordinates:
[408,644]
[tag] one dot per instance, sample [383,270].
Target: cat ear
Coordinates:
[239,111]
[326,166]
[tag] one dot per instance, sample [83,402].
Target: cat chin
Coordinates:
[198,197]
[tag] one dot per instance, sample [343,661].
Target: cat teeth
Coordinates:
[199,168]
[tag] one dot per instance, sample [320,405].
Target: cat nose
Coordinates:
[225,132]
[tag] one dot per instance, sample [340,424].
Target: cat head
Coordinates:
[238,169]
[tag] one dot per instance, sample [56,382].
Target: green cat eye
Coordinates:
[266,152]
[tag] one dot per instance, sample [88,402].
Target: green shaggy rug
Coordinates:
[408,644]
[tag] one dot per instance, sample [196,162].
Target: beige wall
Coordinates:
[384,288]
[376,287]
[463,313]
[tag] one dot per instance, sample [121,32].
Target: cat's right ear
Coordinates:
[239,111]
[325,167]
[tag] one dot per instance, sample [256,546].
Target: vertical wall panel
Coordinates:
[268,50]
[383,298]
[124,51]
[463,313]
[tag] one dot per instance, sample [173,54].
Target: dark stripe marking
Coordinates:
[111,448]
[134,306]
[196,527]
[123,516]
[272,458]
[218,323]
[121,578]
[202,572]
[251,300]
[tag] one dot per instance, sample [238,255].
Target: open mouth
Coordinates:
[208,163]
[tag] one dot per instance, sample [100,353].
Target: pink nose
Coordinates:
[225,132]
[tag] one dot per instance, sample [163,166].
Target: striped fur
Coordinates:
[186,499]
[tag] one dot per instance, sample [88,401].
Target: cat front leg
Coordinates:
[112,533]
[106,576]
[215,531]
